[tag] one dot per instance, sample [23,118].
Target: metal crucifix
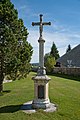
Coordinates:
[40,24]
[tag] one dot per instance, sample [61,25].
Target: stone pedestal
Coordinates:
[41,99]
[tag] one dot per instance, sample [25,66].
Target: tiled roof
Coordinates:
[72,58]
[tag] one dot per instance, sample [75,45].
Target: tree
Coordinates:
[69,48]
[54,51]
[49,62]
[15,51]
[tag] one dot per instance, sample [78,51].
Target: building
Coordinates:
[71,58]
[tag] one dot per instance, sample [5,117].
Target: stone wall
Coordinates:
[68,71]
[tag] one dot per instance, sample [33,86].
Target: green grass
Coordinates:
[64,92]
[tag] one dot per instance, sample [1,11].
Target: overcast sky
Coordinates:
[64,16]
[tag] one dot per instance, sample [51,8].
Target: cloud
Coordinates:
[60,38]
[22,7]
[33,40]
[24,10]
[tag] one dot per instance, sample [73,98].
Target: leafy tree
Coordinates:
[69,48]
[50,58]
[49,62]
[15,51]
[54,51]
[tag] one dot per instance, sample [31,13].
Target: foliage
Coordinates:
[15,51]
[49,63]
[54,51]
[69,48]
[50,58]
[63,92]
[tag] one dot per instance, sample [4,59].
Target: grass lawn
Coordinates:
[62,91]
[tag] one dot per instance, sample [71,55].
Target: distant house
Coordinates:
[71,59]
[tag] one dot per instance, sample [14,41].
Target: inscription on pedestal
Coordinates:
[40,92]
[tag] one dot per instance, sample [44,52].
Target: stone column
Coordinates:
[41,52]
[41,70]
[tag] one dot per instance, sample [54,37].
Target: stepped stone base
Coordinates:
[41,103]
[28,108]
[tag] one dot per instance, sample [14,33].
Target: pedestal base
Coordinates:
[28,108]
[41,103]
[41,99]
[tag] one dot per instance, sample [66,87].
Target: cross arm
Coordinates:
[48,23]
[33,23]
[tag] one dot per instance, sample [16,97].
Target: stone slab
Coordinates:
[43,77]
[27,108]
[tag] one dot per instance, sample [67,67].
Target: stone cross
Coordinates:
[41,70]
[40,24]
[41,80]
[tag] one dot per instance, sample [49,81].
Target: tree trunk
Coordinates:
[1,71]
[1,86]
[1,80]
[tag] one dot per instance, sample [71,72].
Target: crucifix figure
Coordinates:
[40,24]
[41,70]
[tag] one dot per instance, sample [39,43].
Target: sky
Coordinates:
[64,16]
